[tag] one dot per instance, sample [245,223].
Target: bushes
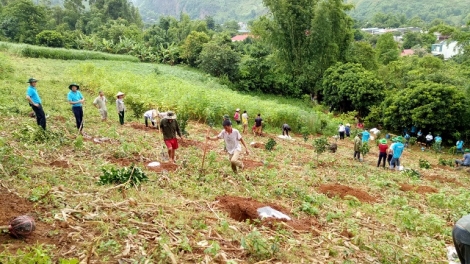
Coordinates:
[63,54]
[50,38]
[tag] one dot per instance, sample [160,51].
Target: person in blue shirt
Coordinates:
[348,130]
[407,138]
[459,146]
[413,131]
[465,161]
[35,102]
[438,141]
[365,136]
[76,99]
[397,150]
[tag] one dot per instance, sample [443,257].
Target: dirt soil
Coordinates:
[60,163]
[418,189]
[193,143]
[439,178]
[257,145]
[242,209]
[13,206]
[332,190]
[163,167]
[252,164]
[143,127]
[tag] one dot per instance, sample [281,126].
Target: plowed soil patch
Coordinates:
[142,127]
[332,190]
[242,209]
[164,167]
[417,189]
[441,179]
[251,164]
[126,161]
[442,167]
[257,145]
[13,206]
[60,164]
[192,143]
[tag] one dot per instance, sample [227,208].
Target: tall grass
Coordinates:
[31,51]
[196,94]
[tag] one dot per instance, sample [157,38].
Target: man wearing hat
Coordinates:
[76,99]
[466,159]
[236,116]
[232,139]
[382,152]
[169,127]
[35,102]
[397,149]
[121,108]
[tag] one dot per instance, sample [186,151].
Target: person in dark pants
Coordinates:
[121,108]
[35,102]
[461,238]
[382,152]
[357,146]
[76,99]
[285,129]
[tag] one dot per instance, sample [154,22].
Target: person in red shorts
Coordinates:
[169,127]
[382,152]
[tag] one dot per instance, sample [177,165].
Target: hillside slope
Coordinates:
[452,11]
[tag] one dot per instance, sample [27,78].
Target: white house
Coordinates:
[446,49]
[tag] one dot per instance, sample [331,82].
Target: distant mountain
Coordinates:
[452,11]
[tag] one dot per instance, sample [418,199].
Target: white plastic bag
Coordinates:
[268,211]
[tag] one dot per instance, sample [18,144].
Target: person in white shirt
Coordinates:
[429,139]
[341,130]
[150,115]
[232,138]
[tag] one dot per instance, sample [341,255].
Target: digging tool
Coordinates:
[163,154]
[205,150]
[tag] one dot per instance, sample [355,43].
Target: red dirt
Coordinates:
[257,145]
[59,118]
[192,143]
[418,189]
[163,166]
[441,179]
[442,167]
[332,190]
[242,209]
[60,163]
[142,127]
[13,206]
[251,164]
[127,161]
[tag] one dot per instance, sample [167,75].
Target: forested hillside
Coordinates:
[452,12]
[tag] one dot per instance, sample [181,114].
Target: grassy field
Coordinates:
[343,211]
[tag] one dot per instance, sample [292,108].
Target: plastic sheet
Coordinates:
[268,211]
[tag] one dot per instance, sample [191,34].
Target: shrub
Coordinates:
[412,141]
[424,164]
[133,176]
[138,107]
[320,145]
[270,145]
[50,38]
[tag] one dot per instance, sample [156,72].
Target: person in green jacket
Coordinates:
[357,146]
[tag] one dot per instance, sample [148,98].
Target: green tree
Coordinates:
[349,87]
[192,47]
[50,38]
[219,60]
[431,106]
[22,20]
[363,53]
[411,39]
[387,49]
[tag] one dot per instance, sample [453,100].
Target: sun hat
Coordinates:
[31,80]
[119,94]
[383,141]
[394,139]
[238,110]
[348,125]
[170,115]
[467,150]
[400,138]
[74,84]
[226,117]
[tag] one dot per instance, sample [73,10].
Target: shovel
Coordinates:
[163,154]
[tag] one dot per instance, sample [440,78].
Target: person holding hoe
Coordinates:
[35,102]
[232,139]
[169,127]
[76,99]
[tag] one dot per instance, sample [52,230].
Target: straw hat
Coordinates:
[119,94]
[170,115]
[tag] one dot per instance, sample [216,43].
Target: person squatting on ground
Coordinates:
[285,129]
[429,139]
[232,139]
[382,152]
[76,99]
[347,130]
[150,115]
[397,149]
[121,108]
[461,239]
[357,146]
[459,146]
[236,116]
[169,127]
[244,121]
[341,130]
[35,102]
[258,125]
[100,103]
[465,161]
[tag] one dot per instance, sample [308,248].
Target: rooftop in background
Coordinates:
[379,31]
[407,52]
[241,37]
